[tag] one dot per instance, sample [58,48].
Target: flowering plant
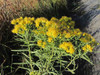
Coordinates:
[51,47]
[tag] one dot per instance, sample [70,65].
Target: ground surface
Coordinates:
[91,19]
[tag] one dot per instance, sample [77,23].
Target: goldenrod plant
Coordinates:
[50,47]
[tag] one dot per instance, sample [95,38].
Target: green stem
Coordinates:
[71,62]
[49,61]
[29,50]
[30,58]
[60,60]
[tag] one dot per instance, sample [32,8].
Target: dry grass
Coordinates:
[10,9]
[13,8]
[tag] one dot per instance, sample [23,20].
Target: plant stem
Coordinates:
[29,50]
[49,61]
[30,58]
[71,62]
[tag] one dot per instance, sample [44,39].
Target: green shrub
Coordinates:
[50,47]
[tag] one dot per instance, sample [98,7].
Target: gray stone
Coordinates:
[91,21]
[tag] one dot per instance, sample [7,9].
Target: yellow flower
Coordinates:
[66,22]
[23,27]
[67,34]
[72,24]
[52,24]
[54,19]
[52,32]
[63,45]
[35,31]
[82,39]
[50,39]
[13,22]
[44,44]
[87,38]
[32,19]
[41,20]
[71,50]
[77,32]
[19,29]
[87,48]
[19,19]
[84,34]
[69,18]
[16,29]
[68,46]
[39,42]
[21,32]
[22,22]
[63,23]
[63,18]
[48,23]
[27,20]
[41,30]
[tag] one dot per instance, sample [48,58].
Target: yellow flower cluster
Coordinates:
[22,21]
[71,33]
[87,38]
[52,32]
[67,22]
[87,48]
[20,24]
[41,43]
[50,39]
[67,34]
[40,21]
[53,39]
[68,46]
[52,29]
[77,32]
